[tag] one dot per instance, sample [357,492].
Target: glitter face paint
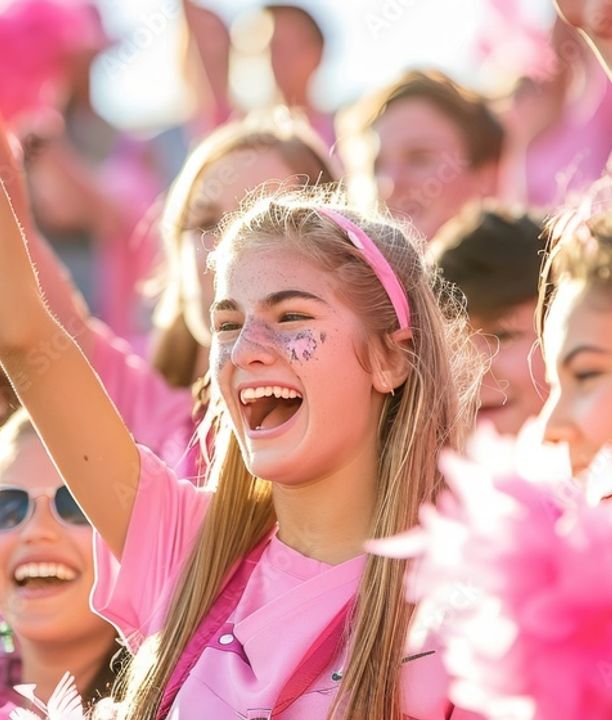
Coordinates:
[278,322]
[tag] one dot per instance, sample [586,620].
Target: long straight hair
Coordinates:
[431,409]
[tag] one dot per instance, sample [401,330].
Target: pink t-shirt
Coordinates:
[288,601]
[157,415]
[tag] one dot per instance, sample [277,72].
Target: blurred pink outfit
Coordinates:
[157,415]
[573,153]
[287,602]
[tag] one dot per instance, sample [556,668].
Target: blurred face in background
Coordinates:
[513,389]
[295,53]
[423,168]
[218,191]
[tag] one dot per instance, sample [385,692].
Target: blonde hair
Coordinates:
[287,134]
[430,410]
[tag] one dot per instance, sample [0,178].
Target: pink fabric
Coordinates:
[156,414]
[127,259]
[288,601]
[377,261]
[573,153]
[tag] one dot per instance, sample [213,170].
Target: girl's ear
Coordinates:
[390,361]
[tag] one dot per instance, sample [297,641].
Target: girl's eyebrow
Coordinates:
[221,305]
[269,301]
[278,297]
[580,349]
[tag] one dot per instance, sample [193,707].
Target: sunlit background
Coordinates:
[139,84]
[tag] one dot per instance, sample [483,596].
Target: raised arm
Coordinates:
[84,434]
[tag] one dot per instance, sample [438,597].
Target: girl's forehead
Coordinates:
[252,273]
[28,466]
[579,314]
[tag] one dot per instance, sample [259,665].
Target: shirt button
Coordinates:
[226,639]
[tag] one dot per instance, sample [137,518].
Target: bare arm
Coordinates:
[62,296]
[83,433]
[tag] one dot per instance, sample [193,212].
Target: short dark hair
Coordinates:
[493,255]
[482,131]
[304,15]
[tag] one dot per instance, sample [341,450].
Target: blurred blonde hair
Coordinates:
[432,409]
[579,246]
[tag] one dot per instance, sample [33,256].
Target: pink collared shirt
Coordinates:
[287,602]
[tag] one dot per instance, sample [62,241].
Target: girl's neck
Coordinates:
[330,519]
[45,663]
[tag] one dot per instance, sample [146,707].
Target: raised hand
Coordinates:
[76,420]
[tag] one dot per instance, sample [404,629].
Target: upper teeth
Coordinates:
[44,570]
[251,394]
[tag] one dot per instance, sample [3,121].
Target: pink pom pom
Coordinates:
[519,575]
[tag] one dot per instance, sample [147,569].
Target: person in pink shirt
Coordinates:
[46,575]
[338,381]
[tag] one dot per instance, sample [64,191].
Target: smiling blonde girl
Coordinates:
[339,381]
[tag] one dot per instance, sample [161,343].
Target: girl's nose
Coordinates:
[256,344]
[41,525]
[558,424]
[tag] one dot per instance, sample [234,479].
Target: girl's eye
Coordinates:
[585,375]
[294,317]
[227,326]
[505,336]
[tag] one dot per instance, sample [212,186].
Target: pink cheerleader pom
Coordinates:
[36,39]
[516,579]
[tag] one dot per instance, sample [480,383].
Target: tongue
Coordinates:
[36,583]
[279,413]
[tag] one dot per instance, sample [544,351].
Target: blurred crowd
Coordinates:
[120,225]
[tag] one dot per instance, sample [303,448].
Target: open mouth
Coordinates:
[269,406]
[36,576]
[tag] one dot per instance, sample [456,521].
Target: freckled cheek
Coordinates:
[301,347]
[220,355]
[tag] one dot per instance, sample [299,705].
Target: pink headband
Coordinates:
[377,261]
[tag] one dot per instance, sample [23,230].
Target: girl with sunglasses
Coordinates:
[46,575]
[339,381]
